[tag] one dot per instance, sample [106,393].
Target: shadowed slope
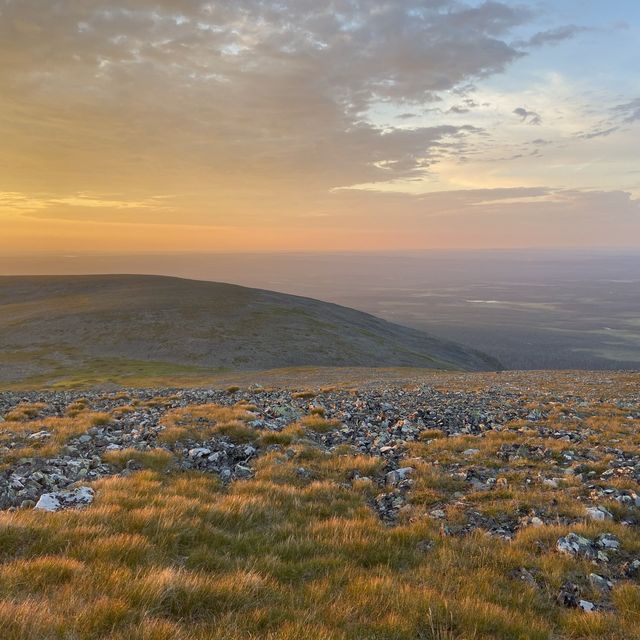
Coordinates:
[49,323]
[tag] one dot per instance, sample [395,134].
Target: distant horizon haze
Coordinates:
[560,309]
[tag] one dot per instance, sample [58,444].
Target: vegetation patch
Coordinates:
[489,511]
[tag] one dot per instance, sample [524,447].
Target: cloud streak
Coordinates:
[530,117]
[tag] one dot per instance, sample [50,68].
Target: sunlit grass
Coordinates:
[160,556]
[56,432]
[198,422]
[298,551]
[155,459]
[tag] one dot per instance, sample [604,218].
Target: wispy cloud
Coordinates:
[530,117]
[552,36]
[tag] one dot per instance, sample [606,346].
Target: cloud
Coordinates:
[552,36]
[263,113]
[629,111]
[192,93]
[618,116]
[457,108]
[599,133]
[530,117]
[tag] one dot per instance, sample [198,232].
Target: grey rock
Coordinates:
[608,541]
[587,606]
[79,497]
[574,545]
[398,475]
[600,583]
[599,514]
[199,452]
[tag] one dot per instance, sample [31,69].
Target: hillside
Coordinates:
[50,326]
[451,506]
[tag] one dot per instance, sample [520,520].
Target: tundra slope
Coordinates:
[50,325]
[451,506]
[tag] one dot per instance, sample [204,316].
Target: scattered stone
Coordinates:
[398,475]
[79,497]
[199,452]
[608,541]
[599,514]
[568,595]
[243,471]
[632,568]
[600,583]
[39,435]
[526,576]
[379,421]
[585,605]
[575,545]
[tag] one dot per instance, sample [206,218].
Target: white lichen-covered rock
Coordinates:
[587,606]
[397,475]
[199,452]
[48,502]
[608,541]
[71,498]
[574,545]
[39,435]
[599,513]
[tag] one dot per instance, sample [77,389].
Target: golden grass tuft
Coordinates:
[61,430]
[318,423]
[304,395]
[25,411]
[155,459]
[284,437]
[197,422]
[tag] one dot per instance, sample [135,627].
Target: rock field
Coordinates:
[498,457]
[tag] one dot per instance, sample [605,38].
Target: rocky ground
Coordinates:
[509,454]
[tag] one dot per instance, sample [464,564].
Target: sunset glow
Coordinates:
[176,125]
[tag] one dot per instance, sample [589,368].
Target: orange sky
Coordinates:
[151,126]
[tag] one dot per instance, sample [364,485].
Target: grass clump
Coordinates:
[155,459]
[25,411]
[54,433]
[199,422]
[285,437]
[304,395]
[318,423]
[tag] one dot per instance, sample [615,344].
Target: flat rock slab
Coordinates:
[69,499]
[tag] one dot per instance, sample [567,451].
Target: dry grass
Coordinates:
[25,411]
[154,459]
[279,557]
[61,430]
[198,422]
[304,395]
[297,551]
[317,422]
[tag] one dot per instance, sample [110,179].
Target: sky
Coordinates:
[140,126]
